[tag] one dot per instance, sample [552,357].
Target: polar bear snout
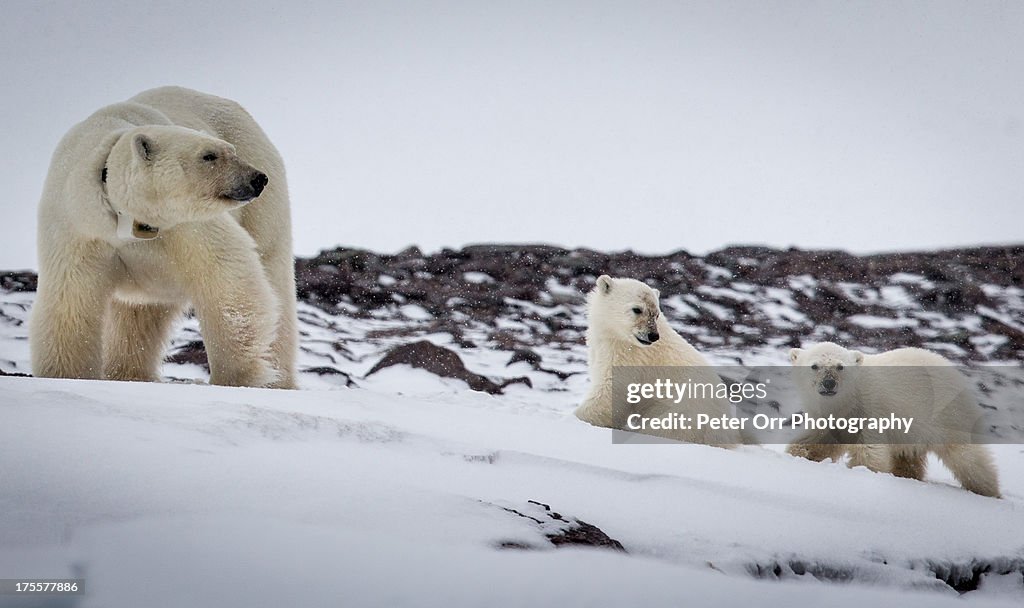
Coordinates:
[828,385]
[646,329]
[647,338]
[248,190]
[259,181]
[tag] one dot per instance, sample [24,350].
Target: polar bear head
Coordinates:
[824,367]
[624,309]
[166,175]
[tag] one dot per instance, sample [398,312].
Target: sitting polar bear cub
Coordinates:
[626,328]
[918,384]
[150,206]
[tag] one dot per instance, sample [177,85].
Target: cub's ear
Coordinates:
[858,357]
[604,284]
[794,354]
[657,294]
[144,147]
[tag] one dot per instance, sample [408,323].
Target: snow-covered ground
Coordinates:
[405,491]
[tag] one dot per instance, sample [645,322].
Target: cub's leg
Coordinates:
[806,448]
[909,462]
[972,466]
[871,455]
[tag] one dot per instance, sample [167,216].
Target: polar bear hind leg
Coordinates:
[972,466]
[135,339]
[909,462]
[285,345]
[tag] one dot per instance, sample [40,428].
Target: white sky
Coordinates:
[646,125]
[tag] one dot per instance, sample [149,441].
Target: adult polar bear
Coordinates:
[626,330]
[144,213]
[907,382]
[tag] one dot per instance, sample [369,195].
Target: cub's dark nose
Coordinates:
[653,336]
[258,182]
[829,384]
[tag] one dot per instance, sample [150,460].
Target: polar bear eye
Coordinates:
[209,157]
[815,367]
[839,367]
[637,310]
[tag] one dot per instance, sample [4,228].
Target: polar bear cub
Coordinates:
[626,329]
[920,384]
[171,199]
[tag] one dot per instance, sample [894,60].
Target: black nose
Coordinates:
[653,336]
[258,182]
[828,383]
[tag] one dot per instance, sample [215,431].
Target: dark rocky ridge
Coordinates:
[949,283]
[968,303]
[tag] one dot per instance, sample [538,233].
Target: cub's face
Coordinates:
[825,367]
[167,175]
[627,308]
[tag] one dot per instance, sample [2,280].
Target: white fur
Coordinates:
[612,340]
[105,304]
[925,386]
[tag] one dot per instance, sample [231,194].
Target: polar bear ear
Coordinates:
[143,147]
[604,283]
[657,294]
[858,357]
[794,354]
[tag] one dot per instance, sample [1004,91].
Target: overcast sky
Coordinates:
[647,125]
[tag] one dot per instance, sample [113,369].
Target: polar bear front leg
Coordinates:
[238,312]
[815,451]
[76,278]
[816,446]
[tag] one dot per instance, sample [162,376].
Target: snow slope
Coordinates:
[171,495]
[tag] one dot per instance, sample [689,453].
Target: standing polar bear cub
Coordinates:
[171,199]
[906,382]
[626,329]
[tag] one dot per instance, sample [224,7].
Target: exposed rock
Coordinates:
[326,370]
[443,362]
[559,530]
[960,576]
[525,354]
[194,352]
[18,281]
[966,576]
[534,360]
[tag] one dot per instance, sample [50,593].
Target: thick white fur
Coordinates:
[105,305]
[925,386]
[612,331]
